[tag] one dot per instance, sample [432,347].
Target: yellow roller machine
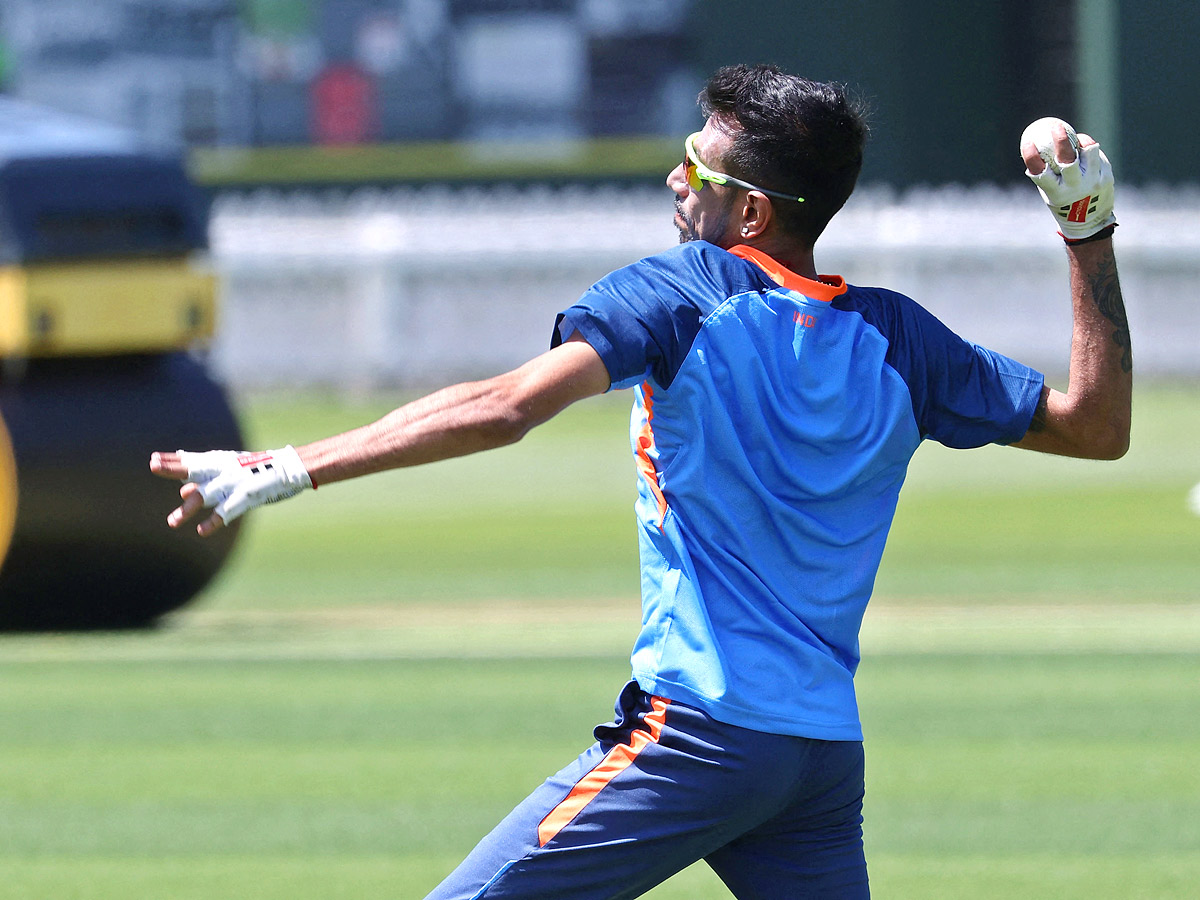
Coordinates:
[105,309]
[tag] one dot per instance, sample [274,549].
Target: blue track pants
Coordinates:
[776,817]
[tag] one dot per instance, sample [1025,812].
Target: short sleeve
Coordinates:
[642,319]
[963,395]
[978,396]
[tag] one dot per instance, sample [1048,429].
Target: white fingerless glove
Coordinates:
[1080,194]
[231,483]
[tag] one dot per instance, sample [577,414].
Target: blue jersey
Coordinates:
[773,421]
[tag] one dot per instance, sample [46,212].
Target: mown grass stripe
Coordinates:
[524,630]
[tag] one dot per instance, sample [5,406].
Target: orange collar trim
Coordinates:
[824,290]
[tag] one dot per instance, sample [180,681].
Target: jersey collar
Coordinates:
[825,290]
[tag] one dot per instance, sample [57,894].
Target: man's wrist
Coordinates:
[1103,234]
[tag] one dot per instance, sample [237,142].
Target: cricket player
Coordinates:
[775,410]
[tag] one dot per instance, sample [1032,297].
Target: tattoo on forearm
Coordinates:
[1106,291]
[1038,423]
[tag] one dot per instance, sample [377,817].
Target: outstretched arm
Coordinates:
[455,421]
[1092,419]
[465,418]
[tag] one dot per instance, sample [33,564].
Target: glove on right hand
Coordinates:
[1080,194]
[232,483]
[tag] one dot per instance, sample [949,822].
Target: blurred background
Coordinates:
[362,155]
[951,82]
[258,222]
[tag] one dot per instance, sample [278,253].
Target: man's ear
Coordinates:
[757,215]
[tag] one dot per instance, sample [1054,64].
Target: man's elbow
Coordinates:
[509,415]
[1116,446]
[1108,443]
[1092,430]
[506,425]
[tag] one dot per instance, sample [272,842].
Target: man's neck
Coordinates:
[788,254]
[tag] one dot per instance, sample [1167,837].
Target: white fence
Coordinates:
[424,286]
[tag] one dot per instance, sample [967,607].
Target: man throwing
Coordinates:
[775,412]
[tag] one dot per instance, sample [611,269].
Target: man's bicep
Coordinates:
[559,377]
[1037,425]
[586,364]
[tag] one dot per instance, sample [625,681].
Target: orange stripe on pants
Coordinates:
[616,761]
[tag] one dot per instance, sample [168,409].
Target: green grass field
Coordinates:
[387,666]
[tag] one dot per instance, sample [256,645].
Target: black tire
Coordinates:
[90,548]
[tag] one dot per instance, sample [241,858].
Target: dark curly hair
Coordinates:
[792,135]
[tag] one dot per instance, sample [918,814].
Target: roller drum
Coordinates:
[89,547]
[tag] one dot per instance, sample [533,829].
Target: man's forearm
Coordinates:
[1101,374]
[1099,306]
[455,421]
[463,419]
[1092,419]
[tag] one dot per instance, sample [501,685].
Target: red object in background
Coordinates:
[343,105]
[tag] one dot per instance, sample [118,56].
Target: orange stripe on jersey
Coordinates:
[616,761]
[645,463]
[817,290]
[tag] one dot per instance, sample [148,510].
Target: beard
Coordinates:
[685,224]
[689,230]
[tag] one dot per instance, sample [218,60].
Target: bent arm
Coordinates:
[1092,419]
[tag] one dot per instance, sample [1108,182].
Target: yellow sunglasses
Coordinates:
[697,173]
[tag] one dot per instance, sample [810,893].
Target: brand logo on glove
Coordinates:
[1080,209]
[251,461]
